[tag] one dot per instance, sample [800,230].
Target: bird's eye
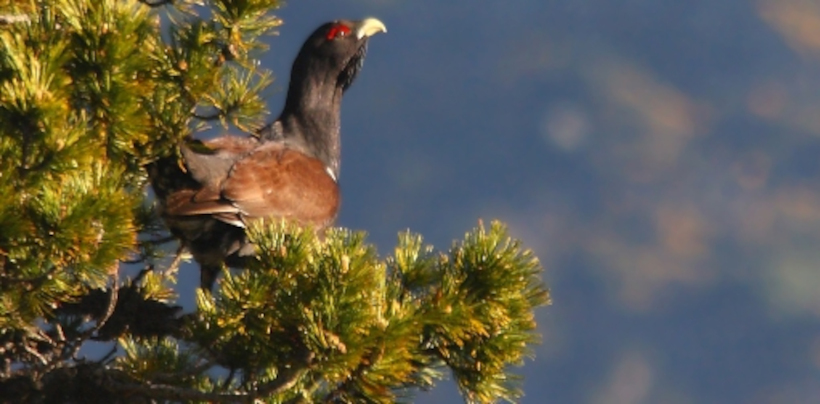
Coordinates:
[337,31]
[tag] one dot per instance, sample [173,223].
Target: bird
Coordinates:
[289,169]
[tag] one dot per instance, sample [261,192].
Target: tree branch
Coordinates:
[157,3]
[112,304]
[285,381]
[345,387]
[33,352]
[13,18]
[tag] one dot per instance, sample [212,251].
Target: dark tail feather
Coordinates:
[208,275]
[167,176]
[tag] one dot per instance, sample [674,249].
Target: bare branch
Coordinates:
[157,3]
[229,379]
[33,352]
[109,355]
[285,381]
[174,266]
[58,328]
[171,377]
[112,304]
[211,117]
[13,18]
[279,385]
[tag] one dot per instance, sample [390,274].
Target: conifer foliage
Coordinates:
[92,91]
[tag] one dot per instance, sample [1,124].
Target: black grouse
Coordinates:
[288,170]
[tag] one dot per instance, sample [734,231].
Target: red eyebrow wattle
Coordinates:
[336,30]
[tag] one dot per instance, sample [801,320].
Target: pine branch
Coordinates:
[286,380]
[90,92]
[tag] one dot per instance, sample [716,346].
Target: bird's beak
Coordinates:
[369,27]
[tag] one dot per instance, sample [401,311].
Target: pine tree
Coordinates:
[93,90]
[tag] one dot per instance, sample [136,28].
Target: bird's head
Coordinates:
[335,51]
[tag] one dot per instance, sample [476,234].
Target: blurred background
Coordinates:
[661,158]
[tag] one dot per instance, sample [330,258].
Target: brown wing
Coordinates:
[210,162]
[272,181]
[275,181]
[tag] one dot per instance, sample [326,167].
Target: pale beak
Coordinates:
[369,27]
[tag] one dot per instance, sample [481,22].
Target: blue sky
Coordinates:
[661,157]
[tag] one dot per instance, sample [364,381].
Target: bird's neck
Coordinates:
[312,117]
